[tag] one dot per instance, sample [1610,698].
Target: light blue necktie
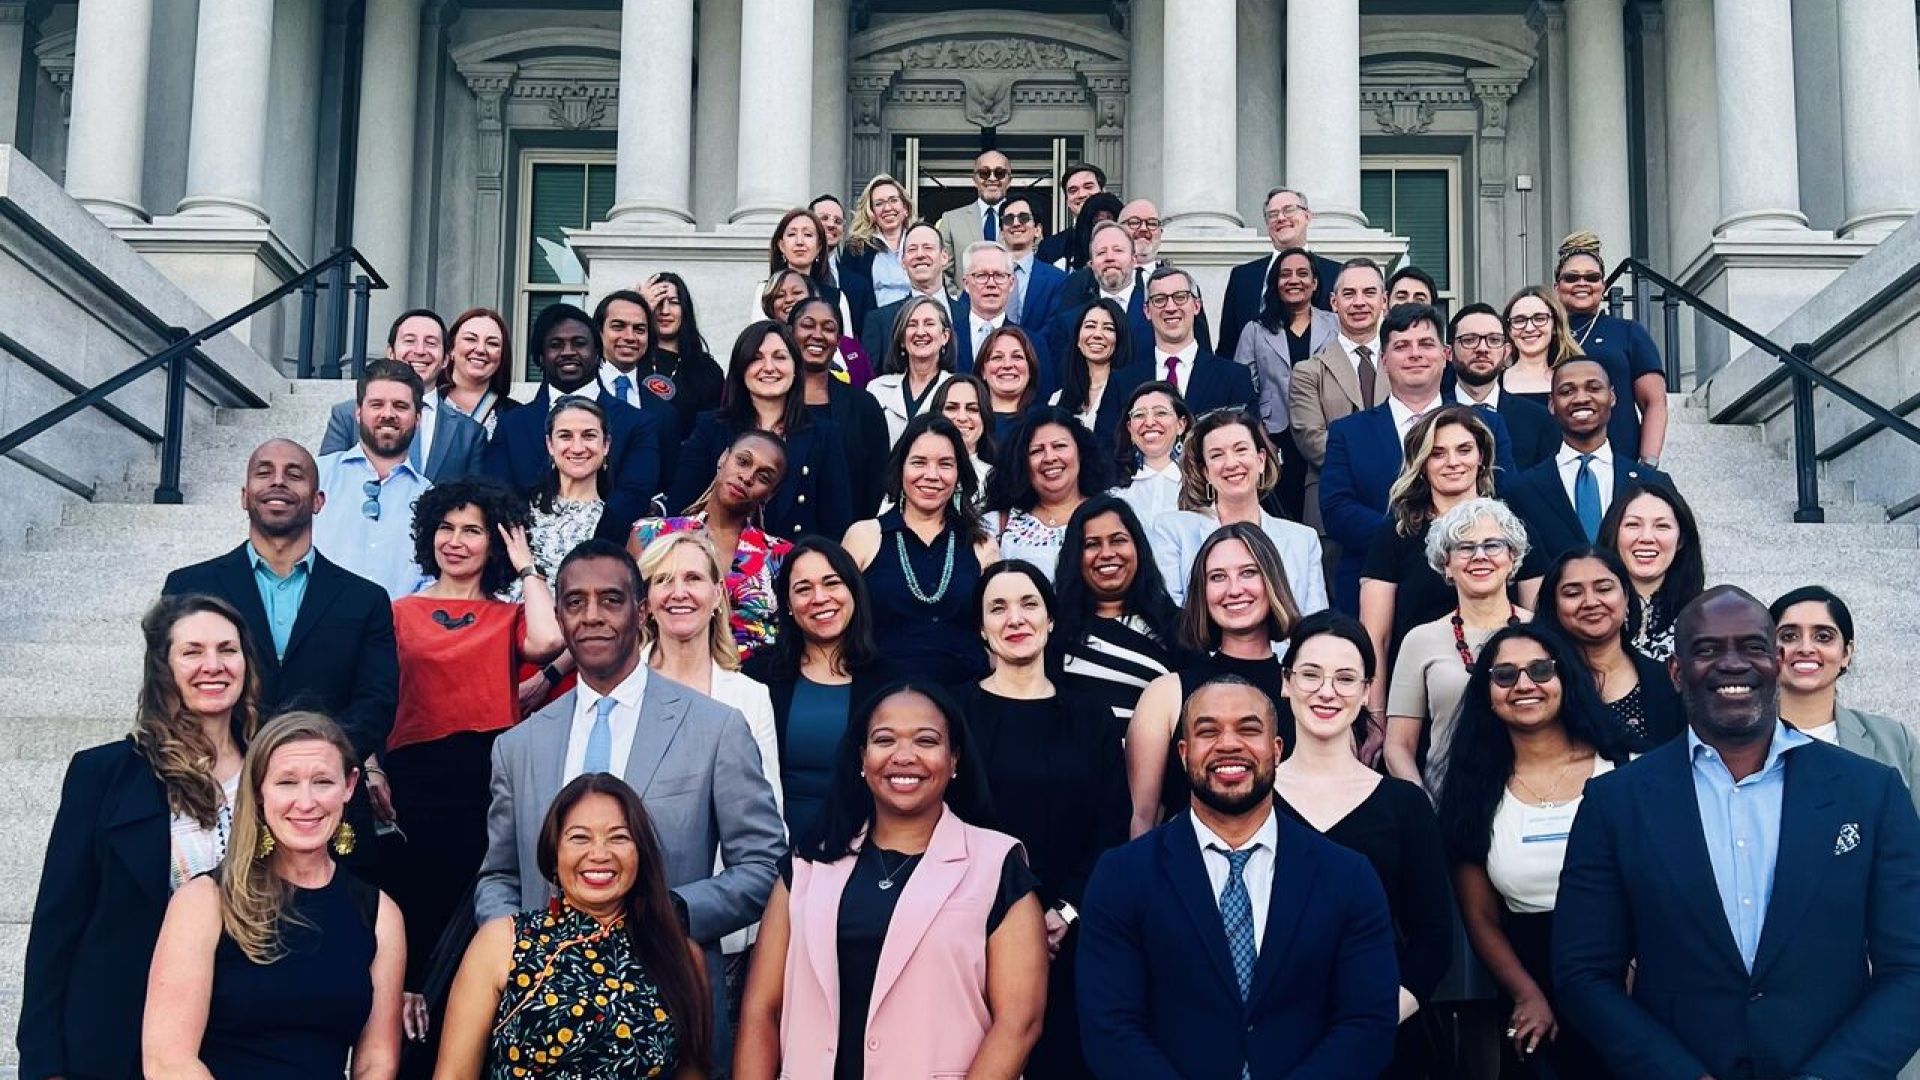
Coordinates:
[1019,293]
[1586,498]
[1236,911]
[623,388]
[599,756]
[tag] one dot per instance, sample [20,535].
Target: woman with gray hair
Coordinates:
[1475,546]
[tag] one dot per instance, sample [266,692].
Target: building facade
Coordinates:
[507,154]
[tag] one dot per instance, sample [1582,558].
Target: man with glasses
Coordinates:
[964,226]
[984,306]
[833,222]
[1479,351]
[1143,223]
[1081,181]
[1287,218]
[1036,282]
[376,476]
[1176,353]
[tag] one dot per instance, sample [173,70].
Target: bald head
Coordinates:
[1727,667]
[281,492]
[1142,220]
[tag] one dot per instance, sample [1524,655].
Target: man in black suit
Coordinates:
[925,262]
[1563,498]
[1176,353]
[1759,883]
[1479,349]
[1287,217]
[324,636]
[1081,181]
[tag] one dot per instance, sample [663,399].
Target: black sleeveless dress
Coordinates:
[934,640]
[1175,791]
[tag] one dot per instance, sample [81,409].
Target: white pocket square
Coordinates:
[1848,839]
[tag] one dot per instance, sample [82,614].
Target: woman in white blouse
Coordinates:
[919,358]
[1147,450]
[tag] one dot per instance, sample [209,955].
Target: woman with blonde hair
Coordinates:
[279,963]
[1638,428]
[879,227]
[1537,326]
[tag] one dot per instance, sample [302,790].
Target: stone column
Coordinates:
[653,170]
[227,149]
[1693,140]
[383,153]
[1880,115]
[830,29]
[776,124]
[13,54]
[1260,104]
[490,83]
[1323,111]
[106,144]
[716,112]
[1759,148]
[1492,89]
[1201,89]
[1145,23]
[1548,19]
[1600,192]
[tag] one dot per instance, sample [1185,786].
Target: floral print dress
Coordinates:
[751,600]
[578,1005]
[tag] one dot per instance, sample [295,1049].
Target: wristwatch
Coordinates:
[552,675]
[528,571]
[1650,462]
[1067,912]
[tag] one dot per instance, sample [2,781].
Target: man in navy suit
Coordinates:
[1081,181]
[1177,353]
[569,350]
[1036,283]
[1478,346]
[1287,218]
[1111,272]
[1232,941]
[447,444]
[1761,883]
[1366,451]
[1564,498]
[925,262]
[985,305]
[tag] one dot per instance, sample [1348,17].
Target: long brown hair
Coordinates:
[501,384]
[659,943]
[777,262]
[1196,491]
[1410,500]
[176,748]
[1560,347]
[1197,628]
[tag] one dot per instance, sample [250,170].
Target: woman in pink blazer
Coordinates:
[902,941]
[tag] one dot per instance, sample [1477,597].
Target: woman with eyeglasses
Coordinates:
[1814,629]
[1653,531]
[1537,328]
[1530,736]
[478,375]
[1324,786]
[683,369]
[963,399]
[1049,468]
[1587,598]
[1639,425]
[1147,449]
[1101,356]
[874,236]
[1475,546]
[1012,375]
[1117,630]
[919,358]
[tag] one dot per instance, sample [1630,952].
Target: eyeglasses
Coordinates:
[1135,224]
[1474,341]
[990,277]
[1016,219]
[1471,549]
[1591,277]
[1183,298]
[888,202]
[1535,321]
[1310,680]
[1539,672]
[371,508]
[1279,212]
[993,173]
[1161,413]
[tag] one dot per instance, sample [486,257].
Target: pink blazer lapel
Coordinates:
[821,920]
[921,900]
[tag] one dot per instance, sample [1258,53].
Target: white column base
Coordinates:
[722,268]
[224,265]
[1876,226]
[1777,221]
[1759,278]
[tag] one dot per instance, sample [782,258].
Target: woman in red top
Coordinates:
[460,649]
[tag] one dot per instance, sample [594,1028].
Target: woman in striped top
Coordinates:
[1116,624]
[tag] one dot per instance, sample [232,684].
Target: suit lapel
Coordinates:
[663,708]
[1343,374]
[1684,849]
[1181,863]
[1556,496]
[322,590]
[237,583]
[1809,822]
[136,828]
[820,918]
[437,450]
[921,899]
[1285,906]
[547,750]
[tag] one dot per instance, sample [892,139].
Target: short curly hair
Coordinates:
[499,506]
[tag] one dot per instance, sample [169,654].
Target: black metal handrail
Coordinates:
[180,357]
[1797,364]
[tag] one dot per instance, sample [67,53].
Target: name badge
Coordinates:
[1547,824]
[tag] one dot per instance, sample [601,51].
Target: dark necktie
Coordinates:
[990,228]
[1586,498]
[1363,357]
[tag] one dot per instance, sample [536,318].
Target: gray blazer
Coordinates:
[458,440]
[1885,741]
[1266,355]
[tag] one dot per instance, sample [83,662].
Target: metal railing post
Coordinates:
[336,321]
[1642,294]
[1615,296]
[309,299]
[1670,312]
[362,293]
[173,436]
[1806,450]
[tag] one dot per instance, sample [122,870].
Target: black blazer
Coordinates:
[340,656]
[1530,428]
[814,496]
[1244,288]
[1552,525]
[863,437]
[639,454]
[1215,383]
[1835,985]
[103,894]
[1079,290]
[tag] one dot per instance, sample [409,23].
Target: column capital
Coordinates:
[1545,16]
[1653,17]
[1492,89]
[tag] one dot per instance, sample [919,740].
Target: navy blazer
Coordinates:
[1541,501]
[1245,286]
[1108,420]
[815,496]
[1217,382]
[961,308]
[1158,998]
[1531,427]
[459,441]
[863,438]
[637,455]
[1835,986]
[1042,300]
[103,894]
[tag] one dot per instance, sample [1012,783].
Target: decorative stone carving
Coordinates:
[1403,112]
[1016,54]
[55,53]
[1492,89]
[578,111]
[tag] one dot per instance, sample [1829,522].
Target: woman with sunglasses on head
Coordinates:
[1323,785]
[1476,547]
[1529,737]
[1587,598]
[963,400]
[1653,531]
[1012,373]
[1537,327]
[1100,357]
[1147,449]
[1238,607]
[1117,630]
[1814,629]
[919,358]
[680,367]
[478,375]
[1638,428]
[1053,765]
[1049,469]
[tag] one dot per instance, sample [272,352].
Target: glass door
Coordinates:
[938,169]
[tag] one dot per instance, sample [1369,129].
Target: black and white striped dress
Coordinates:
[1114,663]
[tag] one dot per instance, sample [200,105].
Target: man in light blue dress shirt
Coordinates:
[367,522]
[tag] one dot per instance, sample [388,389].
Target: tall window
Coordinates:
[1418,198]
[559,190]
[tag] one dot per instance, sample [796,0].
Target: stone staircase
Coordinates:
[70,644]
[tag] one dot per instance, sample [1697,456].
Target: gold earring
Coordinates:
[343,840]
[265,847]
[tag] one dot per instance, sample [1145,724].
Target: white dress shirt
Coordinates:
[1491,401]
[1152,492]
[1183,371]
[624,720]
[1568,462]
[423,432]
[1258,873]
[1403,414]
[1125,296]
[1348,345]
[979,328]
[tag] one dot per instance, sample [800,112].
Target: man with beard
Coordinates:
[1760,882]
[1233,941]
[447,443]
[1112,274]
[376,475]
[1479,350]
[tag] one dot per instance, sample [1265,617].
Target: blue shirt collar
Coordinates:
[1784,739]
[259,561]
[358,452]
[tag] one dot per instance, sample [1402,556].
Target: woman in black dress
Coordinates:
[922,558]
[1054,767]
[1587,599]
[1238,605]
[280,963]
[680,368]
[1116,630]
[1390,821]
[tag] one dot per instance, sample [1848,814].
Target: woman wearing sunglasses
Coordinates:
[1639,425]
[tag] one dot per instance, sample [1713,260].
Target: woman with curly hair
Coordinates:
[1049,465]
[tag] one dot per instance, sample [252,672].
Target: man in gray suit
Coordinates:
[449,443]
[692,759]
[964,226]
[1340,379]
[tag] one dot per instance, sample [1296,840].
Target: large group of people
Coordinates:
[1005,664]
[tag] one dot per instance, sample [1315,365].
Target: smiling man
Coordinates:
[1478,351]
[964,226]
[448,443]
[925,262]
[373,484]
[1761,882]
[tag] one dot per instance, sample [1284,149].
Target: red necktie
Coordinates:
[1173,371]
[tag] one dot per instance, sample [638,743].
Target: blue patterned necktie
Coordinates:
[1586,498]
[1236,911]
[599,756]
[1019,293]
[623,388]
